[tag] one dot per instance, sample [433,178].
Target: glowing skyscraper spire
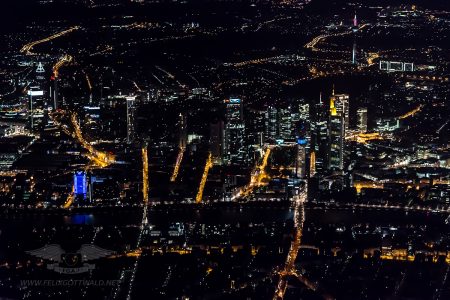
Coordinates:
[355,21]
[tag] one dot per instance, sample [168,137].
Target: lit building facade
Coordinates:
[361,123]
[234,143]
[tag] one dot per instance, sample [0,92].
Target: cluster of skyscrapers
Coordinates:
[318,130]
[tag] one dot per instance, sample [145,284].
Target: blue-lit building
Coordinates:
[80,184]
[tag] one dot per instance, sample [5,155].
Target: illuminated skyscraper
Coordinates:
[80,184]
[285,123]
[339,124]
[182,125]
[300,162]
[339,106]
[256,122]
[362,119]
[271,126]
[234,132]
[36,98]
[336,156]
[131,110]
[319,136]
[216,134]
[304,112]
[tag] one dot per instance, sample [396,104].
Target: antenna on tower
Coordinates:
[40,68]
[320,98]
[333,90]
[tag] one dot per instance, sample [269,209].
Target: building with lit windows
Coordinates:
[339,106]
[361,115]
[131,111]
[234,144]
[336,155]
[80,184]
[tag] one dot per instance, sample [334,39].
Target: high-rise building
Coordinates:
[216,138]
[319,136]
[336,155]
[131,111]
[271,126]
[303,109]
[256,125]
[339,106]
[300,162]
[182,127]
[80,184]
[36,107]
[362,119]
[284,123]
[54,92]
[234,144]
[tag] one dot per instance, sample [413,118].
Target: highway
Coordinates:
[257,176]
[208,165]
[99,158]
[289,266]
[176,169]
[62,61]
[145,174]
[27,48]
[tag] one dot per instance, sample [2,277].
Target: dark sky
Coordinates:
[13,12]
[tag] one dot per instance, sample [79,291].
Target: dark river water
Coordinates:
[219,214]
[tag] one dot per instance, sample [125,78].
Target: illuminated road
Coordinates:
[363,138]
[62,61]
[27,48]
[314,42]
[99,158]
[257,177]
[145,174]
[88,81]
[137,254]
[411,113]
[289,266]
[176,169]
[209,164]
[70,198]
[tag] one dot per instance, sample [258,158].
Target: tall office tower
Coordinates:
[35,112]
[303,109]
[362,119]
[319,136]
[80,185]
[339,106]
[182,135]
[256,124]
[295,124]
[304,125]
[354,53]
[271,124]
[336,156]
[284,123]
[131,111]
[216,138]
[54,93]
[300,161]
[234,132]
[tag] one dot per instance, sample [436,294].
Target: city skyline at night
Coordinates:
[205,149]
